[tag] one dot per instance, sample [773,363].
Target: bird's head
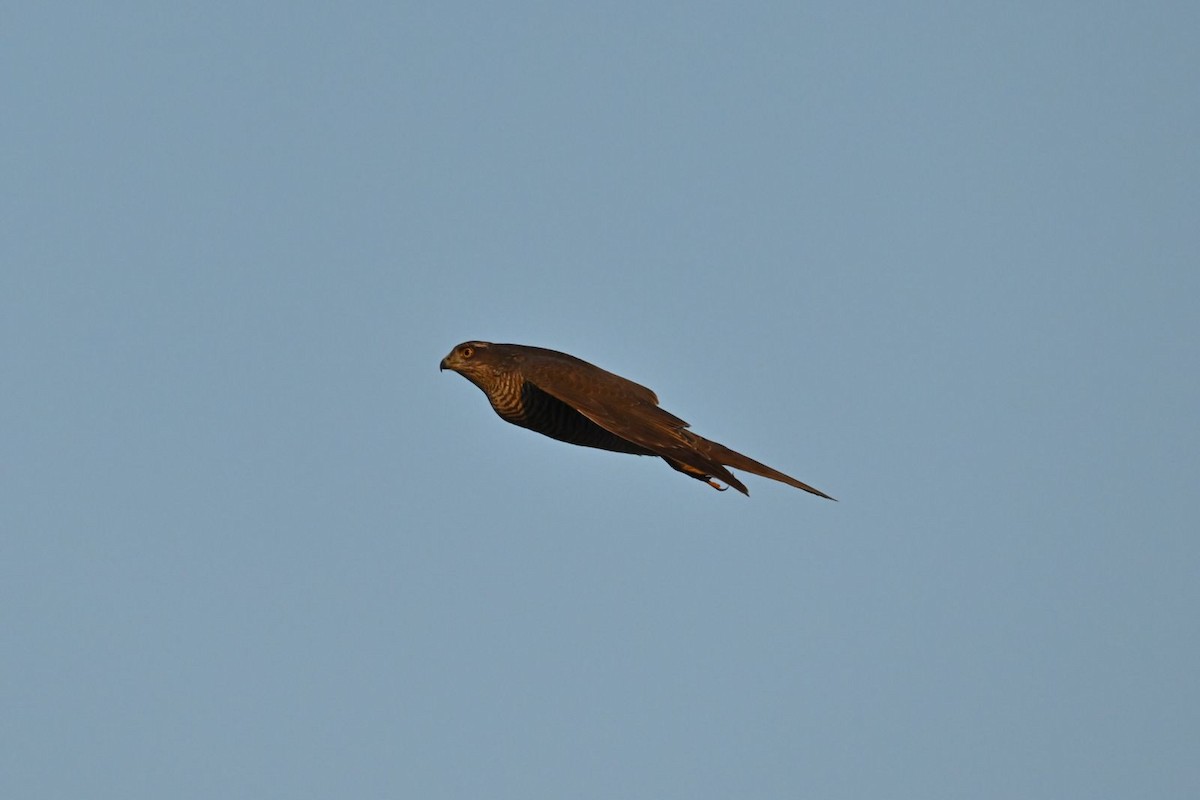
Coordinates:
[466,357]
[479,362]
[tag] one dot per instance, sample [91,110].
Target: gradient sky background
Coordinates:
[939,260]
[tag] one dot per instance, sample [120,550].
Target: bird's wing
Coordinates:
[616,404]
[620,406]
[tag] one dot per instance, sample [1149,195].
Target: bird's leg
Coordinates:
[716,485]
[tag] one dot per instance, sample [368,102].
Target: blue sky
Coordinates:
[938,261]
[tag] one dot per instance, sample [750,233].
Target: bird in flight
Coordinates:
[568,399]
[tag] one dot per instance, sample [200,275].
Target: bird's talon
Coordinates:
[717,486]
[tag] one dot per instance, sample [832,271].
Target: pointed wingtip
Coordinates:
[817,492]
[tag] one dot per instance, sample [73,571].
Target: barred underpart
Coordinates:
[532,408]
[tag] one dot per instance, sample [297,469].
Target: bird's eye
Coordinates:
[467,352]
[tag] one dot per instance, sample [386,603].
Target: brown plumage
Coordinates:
[573,401]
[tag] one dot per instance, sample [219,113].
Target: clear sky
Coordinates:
[938,260]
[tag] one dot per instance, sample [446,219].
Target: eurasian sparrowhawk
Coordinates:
[573,401]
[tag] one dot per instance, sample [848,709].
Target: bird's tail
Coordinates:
[721,454]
